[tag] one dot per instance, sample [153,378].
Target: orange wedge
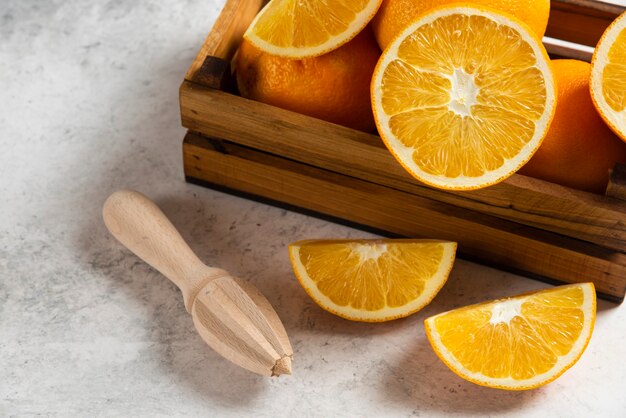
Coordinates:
[463,97]
[308,28]
[372,280]
[517,343]
[608,76]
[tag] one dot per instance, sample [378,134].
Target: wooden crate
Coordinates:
[522,224]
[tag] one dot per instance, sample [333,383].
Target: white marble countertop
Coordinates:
[88,105]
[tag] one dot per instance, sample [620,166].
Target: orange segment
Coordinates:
[463,97]
[372,280]
[608,76]
[516,343]
[308,28]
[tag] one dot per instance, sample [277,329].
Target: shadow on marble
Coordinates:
[604,306]
[226,240]
[420,380]
[462,288]
[159,317]
[154,307]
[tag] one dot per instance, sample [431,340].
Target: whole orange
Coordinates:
[395,15]
[579,149]
[334,87]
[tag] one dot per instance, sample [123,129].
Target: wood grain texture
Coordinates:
[233,317]
[139,224]
[534,202]
[486,238]
[224,38]
[562,49]
[617,182]
[580,21]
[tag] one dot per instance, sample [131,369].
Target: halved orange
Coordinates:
[517,343]
[308,28]
[372,280]
[608,76]
[463,96]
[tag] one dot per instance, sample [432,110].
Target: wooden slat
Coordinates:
[563,49]
[224,39]
[581,21]
[490,240]
[617,182]
[581,215]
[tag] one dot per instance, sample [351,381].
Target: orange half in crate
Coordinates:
[608,76]
[463,97]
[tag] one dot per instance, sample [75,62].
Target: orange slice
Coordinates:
[372,280]
[308,28]
[463,97]
[517,343]
[608,76]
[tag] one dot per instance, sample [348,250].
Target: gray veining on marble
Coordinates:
[89,104]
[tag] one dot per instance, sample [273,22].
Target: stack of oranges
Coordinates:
[458,105]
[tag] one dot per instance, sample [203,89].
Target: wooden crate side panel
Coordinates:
[581,21]
[530,201]
[493,241]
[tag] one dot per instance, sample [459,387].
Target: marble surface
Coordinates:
[88,105]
